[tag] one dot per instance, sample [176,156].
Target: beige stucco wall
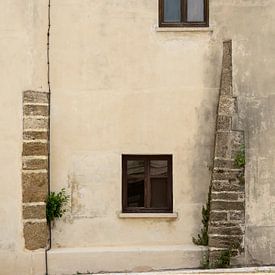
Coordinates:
[121,86]
[23,64]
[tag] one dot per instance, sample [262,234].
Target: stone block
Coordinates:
[226,185]
[34,212]
[226,82]
[221,163]
[32,135]
[35,97]
[225,241]
[223,123]
[225,196]
[226,175]
[226,205]
[35,123]
[222,145]
[236,216]
[218,216]
[225,230]
[226,90]
[241,196]
[35,164]
[227,55]
[36,235]
[35,187]
[35,149]
[215,255]
[35,110]
[224,223]
[227,105]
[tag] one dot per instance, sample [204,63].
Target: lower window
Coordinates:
[147,183]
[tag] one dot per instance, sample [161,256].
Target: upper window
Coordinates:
[183,13]
[147,183]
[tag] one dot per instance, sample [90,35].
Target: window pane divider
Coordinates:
[147,185]
[183,11]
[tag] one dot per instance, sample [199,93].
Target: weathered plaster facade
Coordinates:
[23,28]
[121,85]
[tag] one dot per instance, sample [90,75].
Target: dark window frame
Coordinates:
[147,186]
[184,22]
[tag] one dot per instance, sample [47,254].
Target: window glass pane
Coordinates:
[158,168]
[195,10]
[159,192]
[135,182]
[172,10]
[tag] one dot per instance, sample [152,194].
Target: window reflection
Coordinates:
[158,168]
[159,192]
[195,11]
[172,10]
[135,181]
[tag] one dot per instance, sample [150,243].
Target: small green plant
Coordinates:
[205,260]
[240,157]
[55,205]
[202,238]
[224,259]
[241,178]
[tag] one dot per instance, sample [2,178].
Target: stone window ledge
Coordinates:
[173,215]
[185,29]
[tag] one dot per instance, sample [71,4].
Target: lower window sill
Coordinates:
[173,215]
[184,29]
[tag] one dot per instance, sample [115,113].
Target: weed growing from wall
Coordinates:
[223,260]
[202,238]
[240,157]
[205,260]
[55,205]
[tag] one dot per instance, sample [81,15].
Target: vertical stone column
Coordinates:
[35,168]
[227,205]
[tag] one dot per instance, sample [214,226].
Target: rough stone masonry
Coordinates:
[227,192]
[35,168]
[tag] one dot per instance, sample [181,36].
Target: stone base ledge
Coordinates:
[123,259]
[22,262]
[236,271]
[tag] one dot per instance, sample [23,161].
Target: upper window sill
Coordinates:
[184,29]
[148,215]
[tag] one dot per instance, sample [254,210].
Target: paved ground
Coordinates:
[235,271]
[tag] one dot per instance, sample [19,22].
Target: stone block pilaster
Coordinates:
[35,168]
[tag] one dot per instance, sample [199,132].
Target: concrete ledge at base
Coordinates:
[22,262]
[236,271]
[123,259]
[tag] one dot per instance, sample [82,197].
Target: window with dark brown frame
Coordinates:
[183,13]
[147,184]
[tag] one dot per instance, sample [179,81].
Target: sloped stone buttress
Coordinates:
[227,190]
